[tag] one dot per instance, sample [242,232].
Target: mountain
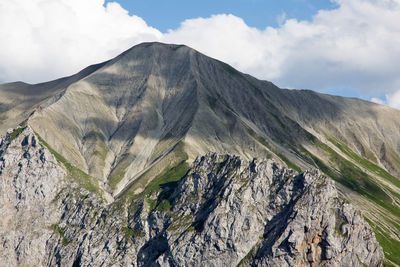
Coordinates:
[120,127]
[18,100]
[224,212]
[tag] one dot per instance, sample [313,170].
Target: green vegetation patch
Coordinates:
[366,163]
[118,174]
[390,245]
[165,182]
[355,179]
[132,233]
[164,205]
[101,151]
[170,174]
[288,162]
[258,137]
[56,228]
[12,136]
[82,178]
[181,222]
[246,261]
[351,176]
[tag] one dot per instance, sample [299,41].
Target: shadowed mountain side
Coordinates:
[121,119]
[370,129]
[131,112]
[117,115]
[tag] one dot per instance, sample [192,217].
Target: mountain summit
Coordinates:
[122,125]
[155,104]
[133,112]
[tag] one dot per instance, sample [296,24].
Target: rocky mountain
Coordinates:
[122,130]
[225,211]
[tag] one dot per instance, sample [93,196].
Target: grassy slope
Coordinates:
[352,174]
[13,135]
[82,178]
[151,184]
[381,197]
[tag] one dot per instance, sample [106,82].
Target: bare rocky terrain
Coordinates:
[223,212]
[121,137]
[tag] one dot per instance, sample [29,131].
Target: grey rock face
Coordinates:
[30,179]
[227,212]
[223,212]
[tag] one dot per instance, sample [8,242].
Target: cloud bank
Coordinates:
[356,45]
[47,39]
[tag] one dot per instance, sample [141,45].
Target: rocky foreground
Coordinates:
[224,212]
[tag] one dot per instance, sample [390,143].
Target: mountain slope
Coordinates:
[19,100]
[157,107]
[135,108]
[224,211]
[129,114]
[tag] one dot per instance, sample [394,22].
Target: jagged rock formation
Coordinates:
[224,211]
[30,180]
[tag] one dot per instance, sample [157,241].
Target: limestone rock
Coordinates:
[30,179]
[224,212]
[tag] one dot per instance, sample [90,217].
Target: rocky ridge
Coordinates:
[223,211]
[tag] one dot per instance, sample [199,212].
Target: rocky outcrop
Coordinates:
[30,179]
[224,212]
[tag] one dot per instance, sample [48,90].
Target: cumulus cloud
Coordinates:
[47,39]
[356,45]
[391,100]
[229,39]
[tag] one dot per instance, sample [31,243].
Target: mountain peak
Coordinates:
[134,120]
[150,50]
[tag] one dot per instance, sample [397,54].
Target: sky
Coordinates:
[256,13]
[341,47]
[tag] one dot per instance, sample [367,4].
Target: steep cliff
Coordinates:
[221,211]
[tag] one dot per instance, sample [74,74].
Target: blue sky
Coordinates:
[165,15]
[341,47]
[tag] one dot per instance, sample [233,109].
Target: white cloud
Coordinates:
[378,101]
[229,39]
[281,18]
[47,39]
[391,100]
[356,45]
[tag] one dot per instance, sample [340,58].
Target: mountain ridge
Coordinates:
[221,211]
[159,106]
